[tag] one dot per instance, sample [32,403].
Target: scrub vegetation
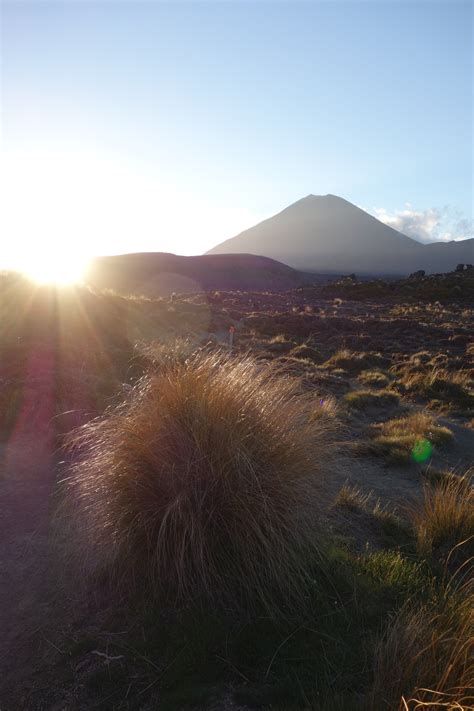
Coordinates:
[285,524]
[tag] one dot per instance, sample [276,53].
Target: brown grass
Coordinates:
[205,485]
[354,363]
[396,439]
[444,522]
[364,399]
[373,379]
[453,388]
[425,659]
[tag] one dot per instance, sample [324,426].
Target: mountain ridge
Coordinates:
[162,273]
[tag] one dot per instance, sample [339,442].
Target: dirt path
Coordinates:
[26,481]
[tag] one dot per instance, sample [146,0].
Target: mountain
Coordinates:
[329,234]
[159,274]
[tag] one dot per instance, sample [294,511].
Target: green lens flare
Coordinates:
[422,450]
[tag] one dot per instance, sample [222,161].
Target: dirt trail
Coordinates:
[26,481]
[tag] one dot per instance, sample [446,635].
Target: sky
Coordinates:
[171,126]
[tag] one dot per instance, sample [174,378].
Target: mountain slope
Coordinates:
[329,234]
[159,274]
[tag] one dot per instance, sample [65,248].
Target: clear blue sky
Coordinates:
[172,126]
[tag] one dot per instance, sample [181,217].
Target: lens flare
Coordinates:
[422,450]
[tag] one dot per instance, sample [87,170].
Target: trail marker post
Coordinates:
[231,337]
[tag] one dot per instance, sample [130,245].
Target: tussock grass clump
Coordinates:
[205,485]
[351,497]
[306,352]
[354,363]
[373,379]
[453,388]
[365,399]
[396,439]
[444,522]
[425,658]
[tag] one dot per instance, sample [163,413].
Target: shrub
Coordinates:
[205,485]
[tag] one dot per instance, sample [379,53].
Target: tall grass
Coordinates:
[205,485]
[425,659]
[444,523]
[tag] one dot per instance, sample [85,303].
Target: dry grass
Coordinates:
[444,523]
[306,352]
[364,399]
[205,485]
[351,497]
[397,439]
[354,363]
[377,519]
[455,388]
[373,379]
[425,659]
[435,640]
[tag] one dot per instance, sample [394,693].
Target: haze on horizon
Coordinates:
[174,126]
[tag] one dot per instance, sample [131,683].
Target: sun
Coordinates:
[55,269]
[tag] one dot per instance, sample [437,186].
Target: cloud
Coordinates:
[430,225]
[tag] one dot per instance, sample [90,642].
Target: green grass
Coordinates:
[326,657]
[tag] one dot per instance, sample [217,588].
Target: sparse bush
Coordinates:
[205,485]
